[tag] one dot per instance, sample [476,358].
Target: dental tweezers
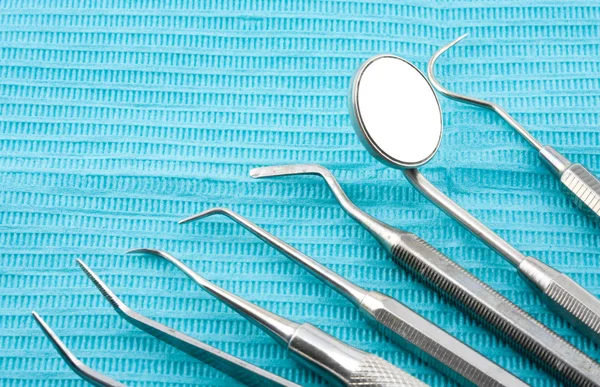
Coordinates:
[460,287]
[579,183]
[237,368]
[414,333]
[336,361]
[244,372]
[86,373]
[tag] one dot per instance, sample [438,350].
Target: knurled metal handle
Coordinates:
[373,371]
[564,296]
[577,181]
[583,187]
[481,302]
[435,346]
[341,363]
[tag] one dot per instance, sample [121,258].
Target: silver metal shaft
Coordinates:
[476,101]
[562,295]
[237,368]
[336,361]
[86,373]
[338,283]
[460,287]
[576,180]
[414,333]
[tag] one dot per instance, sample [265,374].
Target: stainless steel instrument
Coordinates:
[237,368]
[461,288]
[563,295]
[86,373]
[336,361]
[414,333]
[575,179]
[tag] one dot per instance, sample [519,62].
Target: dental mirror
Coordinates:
[395,112]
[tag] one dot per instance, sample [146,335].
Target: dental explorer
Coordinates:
[86,373]
[336,361]
[237,368]
[563,295]
[458,286]
[414,333]
[576,180]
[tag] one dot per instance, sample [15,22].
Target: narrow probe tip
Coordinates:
[202,214]
[36,316]
[144,251]
[461,37]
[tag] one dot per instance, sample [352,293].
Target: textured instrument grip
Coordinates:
[481,302]
[564,296]
[376,372]
[583,308]
[583,187]
[435,346]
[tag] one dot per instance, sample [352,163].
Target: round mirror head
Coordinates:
[395,112]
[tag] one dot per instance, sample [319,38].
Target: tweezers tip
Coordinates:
[86,269]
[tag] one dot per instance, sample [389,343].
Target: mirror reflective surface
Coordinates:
[395,112]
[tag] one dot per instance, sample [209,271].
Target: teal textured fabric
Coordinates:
[118,118]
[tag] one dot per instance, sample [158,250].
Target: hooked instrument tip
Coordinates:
[202,214]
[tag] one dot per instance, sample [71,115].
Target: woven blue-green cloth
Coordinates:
[119,118]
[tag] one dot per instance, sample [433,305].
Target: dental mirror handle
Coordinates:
[562,295]
[460,287]
[576,180]
[426,340]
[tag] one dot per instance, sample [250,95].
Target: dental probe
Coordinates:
[336,361]
[576,180]
[458,286]
[412,332]
[563,295]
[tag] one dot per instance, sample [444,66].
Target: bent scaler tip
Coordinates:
[461,288]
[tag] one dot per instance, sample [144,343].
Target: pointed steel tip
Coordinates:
[454,42]
[40,321]
[155,252]
[142,251]
[448,46]
[272,170]
[86,270]
[200,215]
[48,332]
[36,316]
